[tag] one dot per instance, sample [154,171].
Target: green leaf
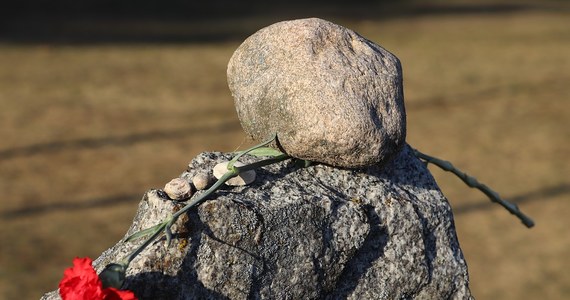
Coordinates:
[144,232]
[242,153]
[265,151]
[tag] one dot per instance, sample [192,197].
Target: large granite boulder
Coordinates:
[303,233]
[329,94]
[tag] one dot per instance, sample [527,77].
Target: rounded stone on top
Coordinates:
[201,181]
[329,94]
[178,189]
[243,178]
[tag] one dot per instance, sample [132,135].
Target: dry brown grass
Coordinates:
[87,129]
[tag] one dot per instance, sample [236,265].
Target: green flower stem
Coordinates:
[473,183]
[228,175]
[127,260]
[167,224]
[231,163]
[262,163]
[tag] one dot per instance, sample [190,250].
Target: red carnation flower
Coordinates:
[81,282]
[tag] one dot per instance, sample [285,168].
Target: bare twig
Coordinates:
[473,183]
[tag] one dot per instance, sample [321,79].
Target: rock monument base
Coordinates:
[318,232]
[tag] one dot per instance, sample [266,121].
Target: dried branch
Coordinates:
[473,183]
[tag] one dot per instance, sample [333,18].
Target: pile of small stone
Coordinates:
[181,189]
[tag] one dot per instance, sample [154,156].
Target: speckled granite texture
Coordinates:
[312,233]
[328,93]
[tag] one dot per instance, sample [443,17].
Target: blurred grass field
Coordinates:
[86,128]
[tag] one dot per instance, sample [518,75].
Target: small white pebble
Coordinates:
[244,178]
[201,181]
[178,189]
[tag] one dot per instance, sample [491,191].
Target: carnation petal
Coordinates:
[80,281]
[115,294]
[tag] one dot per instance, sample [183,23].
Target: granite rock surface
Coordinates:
[329,94]
[303,233]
